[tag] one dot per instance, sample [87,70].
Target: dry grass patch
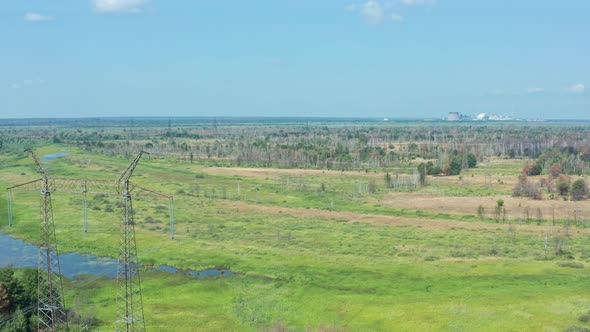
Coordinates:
[265,173]
[377,219]
[516,207]
[499,182]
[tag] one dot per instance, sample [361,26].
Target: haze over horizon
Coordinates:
[371,58]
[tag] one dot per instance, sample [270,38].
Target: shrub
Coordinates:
[454,167]
[573,265]
[555,170]
[435,170]
[372,187]
[533,169]
[585,318]
[471,160]
[575,328]
[481,212]
[524,188]
[563,185]
[579,190]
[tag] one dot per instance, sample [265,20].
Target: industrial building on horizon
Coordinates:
[456,116]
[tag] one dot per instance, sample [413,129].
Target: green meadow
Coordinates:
[311,250]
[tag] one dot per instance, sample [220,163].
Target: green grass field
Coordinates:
[310,256]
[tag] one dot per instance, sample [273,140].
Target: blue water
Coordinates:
[52,156]
[19,254]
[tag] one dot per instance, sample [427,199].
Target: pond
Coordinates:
[51,156]
[20,254]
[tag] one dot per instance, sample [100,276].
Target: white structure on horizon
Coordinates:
[453,116]
[482,117]
[492,117]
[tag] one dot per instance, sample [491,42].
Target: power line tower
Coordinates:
[129,301]
[50,306]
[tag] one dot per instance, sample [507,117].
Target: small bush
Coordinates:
[584,318]
[481,212]
[99,197]
[574,265]
[575,328]
[579,190]
[458,254]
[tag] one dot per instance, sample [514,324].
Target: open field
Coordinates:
[318,250]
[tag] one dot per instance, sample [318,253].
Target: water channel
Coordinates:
[20,254]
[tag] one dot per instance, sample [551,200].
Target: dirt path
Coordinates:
[433,224]
[263,173]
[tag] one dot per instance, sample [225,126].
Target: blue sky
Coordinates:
[398,58]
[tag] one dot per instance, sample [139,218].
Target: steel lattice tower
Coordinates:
[129,306]
[129,300]
[50,306]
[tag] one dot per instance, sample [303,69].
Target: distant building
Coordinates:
[482,117]
[492,117]
[454,116]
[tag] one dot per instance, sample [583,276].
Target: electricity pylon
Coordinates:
[129,299]
[50,306]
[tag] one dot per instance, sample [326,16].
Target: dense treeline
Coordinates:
[18,303]
[328,146]
[18,300]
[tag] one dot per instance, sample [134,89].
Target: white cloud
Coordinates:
[397,17]
[118,6]
[535,90]
[418,2]
[375,12]
[36,17]
[27,82]
[577,88]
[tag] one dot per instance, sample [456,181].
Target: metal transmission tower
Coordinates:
[129,301]
[50,307]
